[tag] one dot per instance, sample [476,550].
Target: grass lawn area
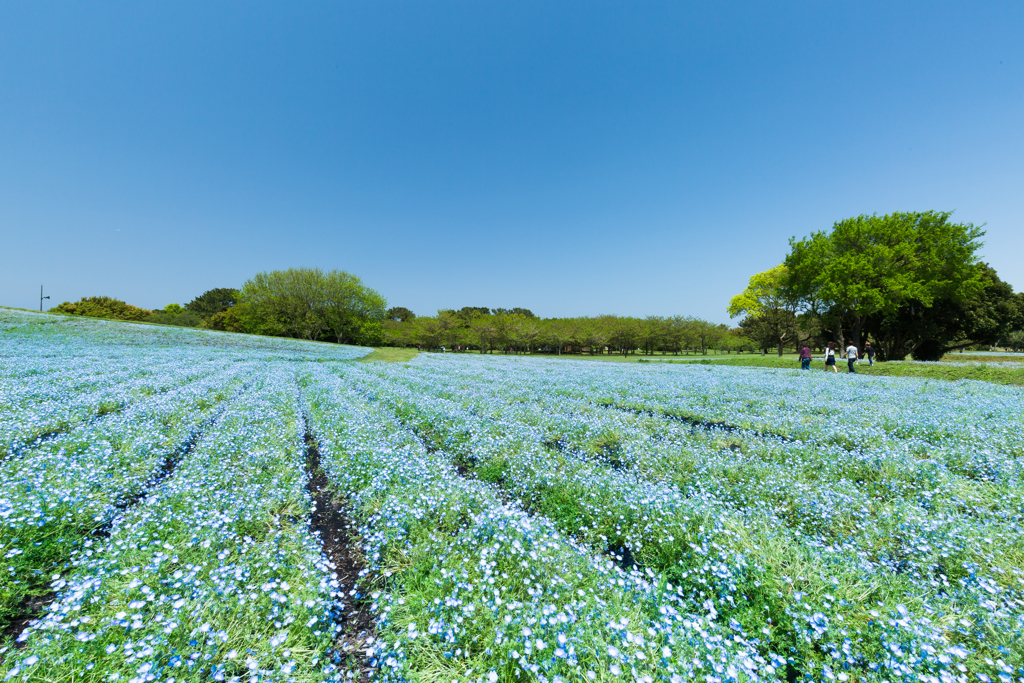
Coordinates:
[619,358]
[985,373]
[387,354]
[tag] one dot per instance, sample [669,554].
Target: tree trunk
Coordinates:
[838,332]
[780,348]
[858,323]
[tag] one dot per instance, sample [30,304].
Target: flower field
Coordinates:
[181,505]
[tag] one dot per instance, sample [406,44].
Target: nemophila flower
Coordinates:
[699,523]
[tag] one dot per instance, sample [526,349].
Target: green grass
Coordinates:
[27,310]
[389,354]
[984,373]
[619,358]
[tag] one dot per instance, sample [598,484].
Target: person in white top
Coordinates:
[830,357]
[852,354]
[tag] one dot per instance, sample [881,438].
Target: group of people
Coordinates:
[853,354]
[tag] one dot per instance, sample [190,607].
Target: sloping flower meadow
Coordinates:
[514,519]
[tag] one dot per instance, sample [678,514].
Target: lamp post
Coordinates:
[41,297]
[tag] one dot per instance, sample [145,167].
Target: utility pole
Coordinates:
[41,297]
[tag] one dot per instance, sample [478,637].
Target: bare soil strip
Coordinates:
[697,423]
[337,533]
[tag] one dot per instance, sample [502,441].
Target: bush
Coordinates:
[225,321]
[103,307]
[181,317]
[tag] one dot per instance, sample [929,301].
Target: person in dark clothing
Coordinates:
[869,352]
[805,358]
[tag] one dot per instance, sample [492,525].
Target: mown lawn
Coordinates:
[387,354]
[981,371]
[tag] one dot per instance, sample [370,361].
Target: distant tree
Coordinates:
[103,307]
[623,333]
[651,333]
[594,334]
[175,314]
[213,301]
[526,312]
[225,321]
[484,331]
[1015,340]
[558,332]
[707,334]
[769,308]
[351,310]
[399,313]
[874,265]
[400,334]
[309,303]
[929,332]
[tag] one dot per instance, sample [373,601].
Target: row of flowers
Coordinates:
[952,574]
[212,575]
[472,588]
[57,372]
[55,496]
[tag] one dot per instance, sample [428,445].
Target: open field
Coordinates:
[389,354]
[1002,371]
[185,505]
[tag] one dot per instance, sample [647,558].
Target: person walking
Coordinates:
[830,357]
[852,354]
[869,352]
[805,358]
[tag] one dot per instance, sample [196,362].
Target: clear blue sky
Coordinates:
[574,159]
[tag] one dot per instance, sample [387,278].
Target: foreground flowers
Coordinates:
[513,519]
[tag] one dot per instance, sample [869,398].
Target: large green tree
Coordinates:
[213,301]
[311,303]
[874,265]
[769,309]
[929,332]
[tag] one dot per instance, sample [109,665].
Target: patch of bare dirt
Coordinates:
[337,537]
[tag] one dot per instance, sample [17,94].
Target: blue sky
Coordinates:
[571,158]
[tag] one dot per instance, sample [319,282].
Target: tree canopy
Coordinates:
[885,268]
[769,307]
[515,332]
[399,313]
[103,307]
[311,303]
[212,301]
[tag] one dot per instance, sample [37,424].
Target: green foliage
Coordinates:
[514,311]
[226,321]
[174,314]
[928,333]
[313,304]
[103,307]
[399,313]
[770,310]
[882,268]
[213,301]
[470,328]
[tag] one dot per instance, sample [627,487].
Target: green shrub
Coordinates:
[103,307]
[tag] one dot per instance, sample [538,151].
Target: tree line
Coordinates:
[305,303]
[518,330]
[909,282]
